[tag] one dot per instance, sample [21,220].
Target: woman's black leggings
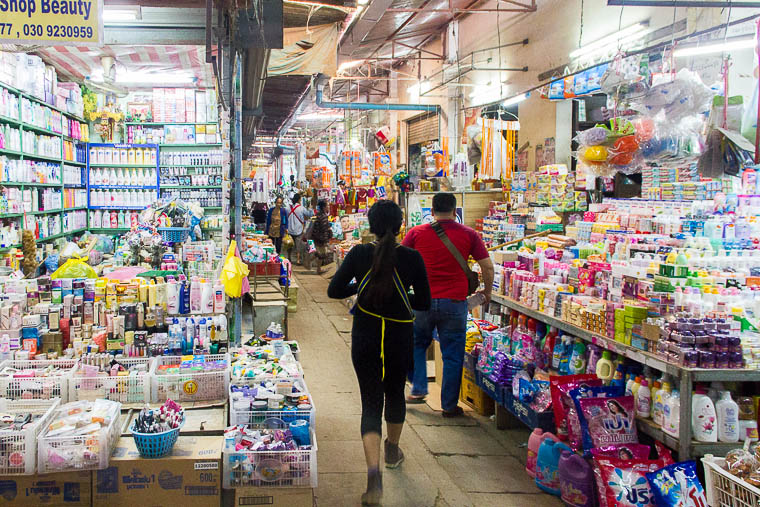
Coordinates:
[365,354]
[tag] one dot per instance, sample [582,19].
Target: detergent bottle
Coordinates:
[578,358]
[703,417]
[594,353]
[547,463]
[534,443]
[576,480]
[604,368]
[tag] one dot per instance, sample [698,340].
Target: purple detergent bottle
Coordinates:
[576,480]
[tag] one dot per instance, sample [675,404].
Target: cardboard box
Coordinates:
[190,476]
[275,497]
[64,489]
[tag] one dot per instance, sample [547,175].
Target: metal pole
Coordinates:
[237,180]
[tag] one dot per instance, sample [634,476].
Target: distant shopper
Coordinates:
[277,223]
[321,233]
[449,289]
[382,333]
[298,216]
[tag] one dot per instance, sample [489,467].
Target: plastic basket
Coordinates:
[37,388]
[124,389]
[174,234]
[85,452]
[155,445]
[259,419]
[18,448]
[268,469]
[191,386]
[725,489]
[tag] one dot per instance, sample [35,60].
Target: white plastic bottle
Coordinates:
[195,295]
[658,403]
[703,417]
[671,413]
[643,400]
[207,297]
[172,297]
[728,418]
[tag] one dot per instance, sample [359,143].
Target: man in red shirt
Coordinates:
[448,312]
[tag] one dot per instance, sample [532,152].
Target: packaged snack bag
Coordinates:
[575,435]
[607,421]
[677,485]
[560,387]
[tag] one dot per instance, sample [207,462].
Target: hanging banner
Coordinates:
[306,51]
[52,22]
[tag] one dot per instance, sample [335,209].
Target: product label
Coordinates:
[190,387]
[50,22]
[212,465]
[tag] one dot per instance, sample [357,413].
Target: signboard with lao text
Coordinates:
[52,22]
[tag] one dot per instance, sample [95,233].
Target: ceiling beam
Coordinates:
[153,36]
[456,11]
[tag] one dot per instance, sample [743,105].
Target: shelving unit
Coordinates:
[27,155]
[165,149]
[686,377]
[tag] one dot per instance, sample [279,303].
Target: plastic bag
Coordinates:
[560,386]
[74,268]
[233,272]
[574,415]
[51,263]
[749,120]
[740,463]
[606,421]
[287,242]
[677,485]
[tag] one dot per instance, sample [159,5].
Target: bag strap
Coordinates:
[450,247]
[293,210]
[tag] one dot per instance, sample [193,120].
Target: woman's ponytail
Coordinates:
[385,222]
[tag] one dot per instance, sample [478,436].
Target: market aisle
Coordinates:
[459,462]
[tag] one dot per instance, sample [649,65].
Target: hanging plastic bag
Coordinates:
[749,121]
[74,268]
[287,242]
[233,272]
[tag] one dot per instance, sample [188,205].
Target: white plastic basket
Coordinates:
[237,379]
[86,452]
[271,469]
[725,489]
[18,448]
[37,388]
[133,388]
[190,386]
[258,419]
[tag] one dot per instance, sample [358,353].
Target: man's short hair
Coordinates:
[296,198]
[444,202]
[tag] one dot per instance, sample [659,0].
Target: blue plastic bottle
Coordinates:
[547,465]
[567,352]
[184,298]
[618,380]
[557,353]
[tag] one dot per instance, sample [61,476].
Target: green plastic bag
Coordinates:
[74,268]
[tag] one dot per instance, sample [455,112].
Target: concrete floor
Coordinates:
[449,462]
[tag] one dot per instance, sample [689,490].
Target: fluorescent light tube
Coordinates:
[729,45]
[628,34]
[121,13]
[515,100]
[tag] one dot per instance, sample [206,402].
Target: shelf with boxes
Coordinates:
[121,176]
[39,143]
[686,377]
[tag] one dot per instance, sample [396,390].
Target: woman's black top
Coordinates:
[411,270]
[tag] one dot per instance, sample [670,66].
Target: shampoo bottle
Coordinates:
[703,417]
[728,418]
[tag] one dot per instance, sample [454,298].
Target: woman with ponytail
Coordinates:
[381,275]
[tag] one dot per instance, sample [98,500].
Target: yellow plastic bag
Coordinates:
[287,242]
[234,271]
[75,267]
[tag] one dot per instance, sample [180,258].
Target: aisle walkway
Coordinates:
[449,462]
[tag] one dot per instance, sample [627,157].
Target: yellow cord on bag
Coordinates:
[399,288]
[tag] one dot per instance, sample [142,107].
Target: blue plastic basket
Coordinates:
[174,234]
[155,445]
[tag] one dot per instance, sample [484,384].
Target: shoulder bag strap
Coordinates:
[450,247]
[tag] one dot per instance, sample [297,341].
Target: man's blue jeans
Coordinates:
[449,318]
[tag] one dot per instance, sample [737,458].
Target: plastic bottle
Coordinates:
[644,400]
[517,333]
[207,297]
[618,379]
[547,463]
[576,480]
[577,358]
[218,297]
[534,443]
[658,401]
[703,417]
[172,297]
[195,295]
[672,414]
[184,298]
[635,388]
[629,384]
[604,367]
[594,353]
[557,353]
[728,418]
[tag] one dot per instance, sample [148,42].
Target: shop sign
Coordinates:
[51,22]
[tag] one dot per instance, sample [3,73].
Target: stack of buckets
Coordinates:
[559,471]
